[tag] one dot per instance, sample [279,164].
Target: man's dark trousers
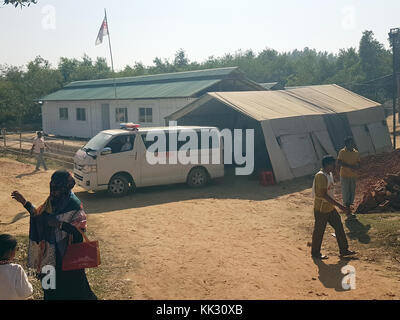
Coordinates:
[321,219]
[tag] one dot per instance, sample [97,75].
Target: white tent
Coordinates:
[299,125]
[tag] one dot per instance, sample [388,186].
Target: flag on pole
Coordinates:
[105,32]
[102,32]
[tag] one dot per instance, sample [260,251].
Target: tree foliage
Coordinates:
[364,70]
[20,3]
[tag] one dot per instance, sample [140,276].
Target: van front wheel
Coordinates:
[118,186]
[197,178]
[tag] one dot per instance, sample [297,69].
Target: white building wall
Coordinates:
[71,127]
[93,124]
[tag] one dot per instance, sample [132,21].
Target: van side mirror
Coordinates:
[106,151]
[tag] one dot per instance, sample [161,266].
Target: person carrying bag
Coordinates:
[58,220]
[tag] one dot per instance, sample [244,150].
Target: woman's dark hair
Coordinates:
[62,179]
[7,244]
[327,160]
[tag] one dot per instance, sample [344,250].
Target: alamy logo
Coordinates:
[349,280]
[49,280]
[49,17]
[202,146]
[348,17]
[49,276]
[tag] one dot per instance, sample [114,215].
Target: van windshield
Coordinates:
[97,142]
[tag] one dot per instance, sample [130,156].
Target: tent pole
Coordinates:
[393,35]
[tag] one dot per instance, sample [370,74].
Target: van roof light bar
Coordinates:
[129,126]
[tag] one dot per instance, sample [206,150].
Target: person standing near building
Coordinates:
[38,147]
[324,211]
[348,161]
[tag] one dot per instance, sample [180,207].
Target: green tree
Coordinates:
[39,80]
[374,58]
[20,3]
[19,91]
[67,67]
[85,69]
[181,60]
[138,70]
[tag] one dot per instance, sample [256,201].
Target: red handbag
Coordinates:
[81,255]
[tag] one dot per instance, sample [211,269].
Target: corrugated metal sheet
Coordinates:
[171,85]
[142,91]
[265,105]
[209,73]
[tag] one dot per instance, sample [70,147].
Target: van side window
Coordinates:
[181,143]
[148,143]
[213,135]
[121,143]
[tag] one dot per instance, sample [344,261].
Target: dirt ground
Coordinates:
[232,240]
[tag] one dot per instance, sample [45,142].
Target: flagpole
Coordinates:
[112,62]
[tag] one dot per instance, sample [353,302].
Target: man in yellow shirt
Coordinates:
[324,211]
[349,162]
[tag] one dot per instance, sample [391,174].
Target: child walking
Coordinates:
[14,283]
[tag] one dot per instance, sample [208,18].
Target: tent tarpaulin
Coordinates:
[379,136]
[301,125]
[338,127]
[362,139]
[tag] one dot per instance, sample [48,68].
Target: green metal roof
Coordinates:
[169,85]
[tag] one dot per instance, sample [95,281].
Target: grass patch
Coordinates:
[384,231]
[376,237]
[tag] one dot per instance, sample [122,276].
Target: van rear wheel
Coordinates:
[118,186]
[197,178]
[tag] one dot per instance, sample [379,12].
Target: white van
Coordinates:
[116,160]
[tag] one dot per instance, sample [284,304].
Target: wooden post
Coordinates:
[394,36]
[398,96]
[394,43]
[20,142]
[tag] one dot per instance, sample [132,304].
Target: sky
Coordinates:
[143,30]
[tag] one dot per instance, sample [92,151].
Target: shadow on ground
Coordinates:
[331,275]
[245,188]
[358,231]
[17,217]
[27,174]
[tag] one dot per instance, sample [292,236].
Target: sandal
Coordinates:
[321,257]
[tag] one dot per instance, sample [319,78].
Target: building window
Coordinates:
[121,115]
[145,115]
[81,114]
[63,113]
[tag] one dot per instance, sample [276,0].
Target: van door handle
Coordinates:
[133,156]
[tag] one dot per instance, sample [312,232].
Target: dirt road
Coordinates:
[232,240]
